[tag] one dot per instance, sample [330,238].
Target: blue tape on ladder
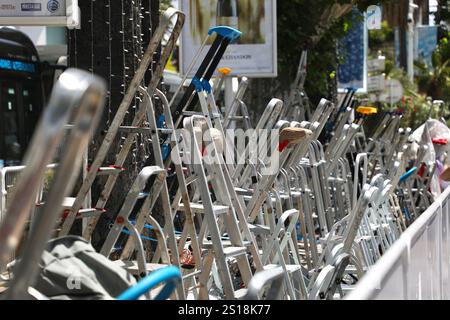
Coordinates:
[226,32]
[165,148]
[406,214]
[147,226]
[407,174]
[124,230]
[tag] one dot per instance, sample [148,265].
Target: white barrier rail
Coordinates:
[417,266]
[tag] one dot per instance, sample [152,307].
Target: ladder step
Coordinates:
[234,251]
[259,229]
[240,294]
[238,117]
[192,274]
[143,195]
[192,113]
[243,192]
[90,212]
[191,179]
[282,197]
[291,268]
[132,266]
[85,213]
[109,170]
[296,193]
[132,129]
[68,202]
[198,113]
[225,243]
[199,208]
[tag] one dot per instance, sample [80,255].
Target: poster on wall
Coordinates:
[352,73]
[425,44]
[40,13]
[253,55]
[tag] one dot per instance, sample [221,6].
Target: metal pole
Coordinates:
[229,94]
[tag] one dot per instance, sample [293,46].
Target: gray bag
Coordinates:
[72,269]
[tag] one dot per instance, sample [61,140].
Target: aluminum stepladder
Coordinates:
[122,220]
[189,226]
[222,180]
[259,195]
[340,114]
[136,82]
[231,116]
[297,104]
[278,250]
[224,37]
[86,100]
[324,284]
[267,180]
[266,285]
[243,172]
[222,207]
[165,22]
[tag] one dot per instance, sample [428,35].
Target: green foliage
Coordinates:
[164,4]
[315,25]
[415,105]
[379,38]
[435,82]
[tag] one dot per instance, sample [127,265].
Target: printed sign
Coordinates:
[373,17]
[426,43]
[393,91]
[254,54]
[50,12]
[353,49]
[376,64]
[375,83]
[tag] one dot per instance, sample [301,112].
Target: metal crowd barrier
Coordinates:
[417,266]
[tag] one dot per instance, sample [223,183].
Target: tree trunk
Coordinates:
[113,36]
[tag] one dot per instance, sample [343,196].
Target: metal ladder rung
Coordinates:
[143,195]
[225,243]
[198,113]
[199,208]
[109,170]
[192,113]
[132,266]
[85,213]
[234,251]
[238,117]
[291,268]
[191,179]
[90,212]
[192,274]
[282,196]
[131,129]
[243,192]
[240,293]
[259,229]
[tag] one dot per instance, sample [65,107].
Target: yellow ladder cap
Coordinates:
[225,71]
[366,110]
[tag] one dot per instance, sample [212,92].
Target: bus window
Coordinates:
[10,134]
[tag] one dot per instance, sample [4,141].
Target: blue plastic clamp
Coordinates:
[171,276]
[226,32]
